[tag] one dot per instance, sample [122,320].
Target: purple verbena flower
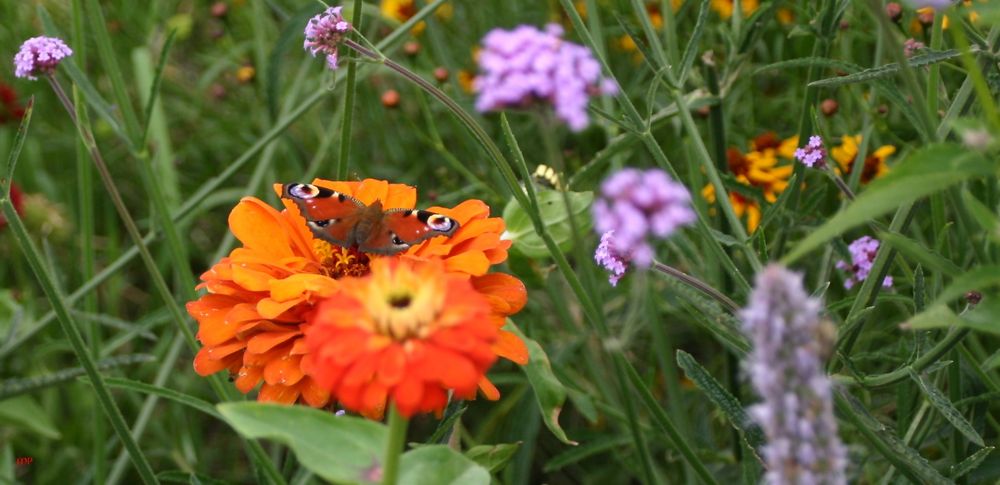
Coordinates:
[863,252]
[639,204]
[524,66]
[786,370]
[608,257]
[813,155]
[324,33]
[40,56]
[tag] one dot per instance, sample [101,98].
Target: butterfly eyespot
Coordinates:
[303,191]
[438,222]
[323,223]
[397,241]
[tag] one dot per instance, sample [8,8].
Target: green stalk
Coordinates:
[394,446]
[699,285]
[158,281]
[664,422]
[347,117]
[61,309]
[87,229]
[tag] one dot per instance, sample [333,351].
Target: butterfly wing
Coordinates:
[330,215]
[401,228]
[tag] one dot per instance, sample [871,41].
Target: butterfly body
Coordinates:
[345,221]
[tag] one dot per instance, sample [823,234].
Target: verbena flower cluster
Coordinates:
[609,258]
[524,66]
[324,33]
[786,369]
[863,252]
[636,205]
[813,155]
[40,56]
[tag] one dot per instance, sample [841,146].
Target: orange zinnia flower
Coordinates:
[407,333]
[261,296]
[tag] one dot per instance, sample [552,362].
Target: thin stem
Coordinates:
[953,338]
[698,285]
[69,326]
[158,281]
[394,446]
[347,118]
[130,226]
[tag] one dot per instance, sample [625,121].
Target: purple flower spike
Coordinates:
[324,33]
[813,155]
[636,205]
[863,252]
[525,66]
[607,257]
[39,56]
[786,369]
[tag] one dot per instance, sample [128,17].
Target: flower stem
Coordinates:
[347,119]
[394,447]
[698,285]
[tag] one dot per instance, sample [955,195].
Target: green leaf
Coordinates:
[944,406]
[885,441]
[176,396]
[13,387]
[493,457]
[924,172]
[809,62]
[984,318]
[549,392]
[439,465]
[15,152]
[730,406]
[886,70]
[924,256]
[24,413]
[600,445]
[983,216]
[694,40]
[337,448]
[552,210]
[971,463]
[976,279]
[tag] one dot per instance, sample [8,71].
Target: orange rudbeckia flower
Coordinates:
[261,297]
[408,333]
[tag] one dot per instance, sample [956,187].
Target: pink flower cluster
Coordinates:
[635,206]
[525,66]
[40,56]
[813,155]
[324,33]
[863,252]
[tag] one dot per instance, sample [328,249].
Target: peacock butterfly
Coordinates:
[347,222]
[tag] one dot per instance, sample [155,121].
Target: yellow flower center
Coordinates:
[405,303]
[337,262]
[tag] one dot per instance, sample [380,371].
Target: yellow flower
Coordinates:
[725,7]
[874,164]
[759,168]
[403,10]
[741,206]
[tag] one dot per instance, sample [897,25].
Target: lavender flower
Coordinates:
[813,155]
[40,56]
[863,252]
[526,65]
[786,369]
[607,256]
[324,33]
[637,204]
